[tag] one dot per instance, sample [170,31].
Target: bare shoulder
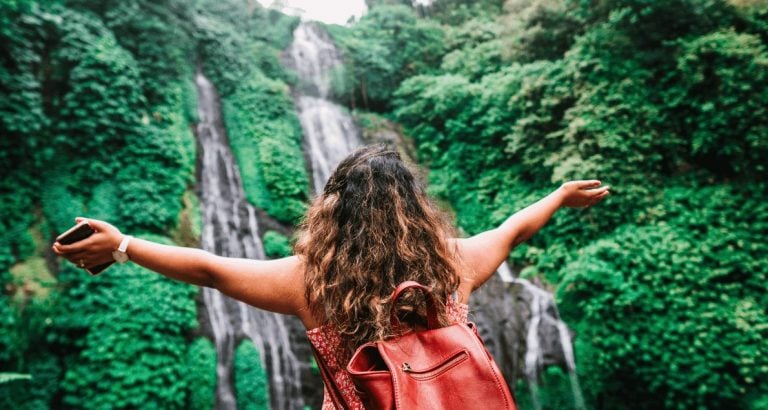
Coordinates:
[292,270]
[276,285]
[295,268]
[479,257]
[466,271]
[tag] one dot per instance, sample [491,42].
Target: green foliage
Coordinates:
[25,320]
[720,89]
[589,114]
[109,132]
[473,49]
[98,110]
[277,245]
[156,157]
[240,55]
[554,391]
[251,385]
[678,307]
[274,27]
[234,45]
[26,309]
[220,45]
[97,105]
[8,325]
[540,29]
[46,373]
[454,12]
[387,45]
[38,391]
[103,123]
[265,136]
[201,374]
[157,34]
[132,345]
[22,126]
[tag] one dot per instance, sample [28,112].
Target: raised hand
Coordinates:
[581,194]
[93,250]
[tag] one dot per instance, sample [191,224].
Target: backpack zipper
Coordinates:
[435,371]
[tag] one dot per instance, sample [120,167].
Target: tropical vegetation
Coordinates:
[665,284]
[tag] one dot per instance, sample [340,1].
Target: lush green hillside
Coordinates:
[666,101]
[97,111]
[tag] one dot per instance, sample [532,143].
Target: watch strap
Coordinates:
[123,248]
[121,254]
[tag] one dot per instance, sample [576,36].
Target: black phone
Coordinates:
[78,233]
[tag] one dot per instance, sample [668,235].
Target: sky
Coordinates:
[327,11]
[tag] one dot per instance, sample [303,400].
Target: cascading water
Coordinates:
[539,336]
[329,132]
[230,228]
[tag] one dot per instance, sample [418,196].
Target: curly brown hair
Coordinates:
[372,228]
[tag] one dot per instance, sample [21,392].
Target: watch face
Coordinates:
[120,256]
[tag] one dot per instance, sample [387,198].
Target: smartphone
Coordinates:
[78,233]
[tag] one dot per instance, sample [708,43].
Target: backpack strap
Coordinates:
[432,322]
[330,386]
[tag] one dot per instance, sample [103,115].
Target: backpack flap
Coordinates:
[371,377]
[446,368]
[436,368]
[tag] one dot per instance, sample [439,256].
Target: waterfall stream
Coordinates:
[539,335]
[230,228]
[329,131]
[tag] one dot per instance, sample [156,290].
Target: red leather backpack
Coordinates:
[436,368]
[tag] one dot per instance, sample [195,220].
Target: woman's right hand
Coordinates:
[94,250]
[581,194]
[274,285]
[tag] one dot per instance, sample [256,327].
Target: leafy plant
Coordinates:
[277,245]
[250,378]
[201,374]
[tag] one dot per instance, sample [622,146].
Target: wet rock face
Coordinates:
[500,326]
[513,316]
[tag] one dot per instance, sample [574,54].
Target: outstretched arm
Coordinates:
[274,285]
[484,252]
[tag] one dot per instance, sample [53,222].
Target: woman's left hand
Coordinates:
[581,194]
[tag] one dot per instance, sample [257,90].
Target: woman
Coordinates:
[372,228]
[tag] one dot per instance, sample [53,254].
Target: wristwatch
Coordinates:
[120,255]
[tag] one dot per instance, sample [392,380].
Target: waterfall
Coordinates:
[543,312]
[230,228]
[330,133]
